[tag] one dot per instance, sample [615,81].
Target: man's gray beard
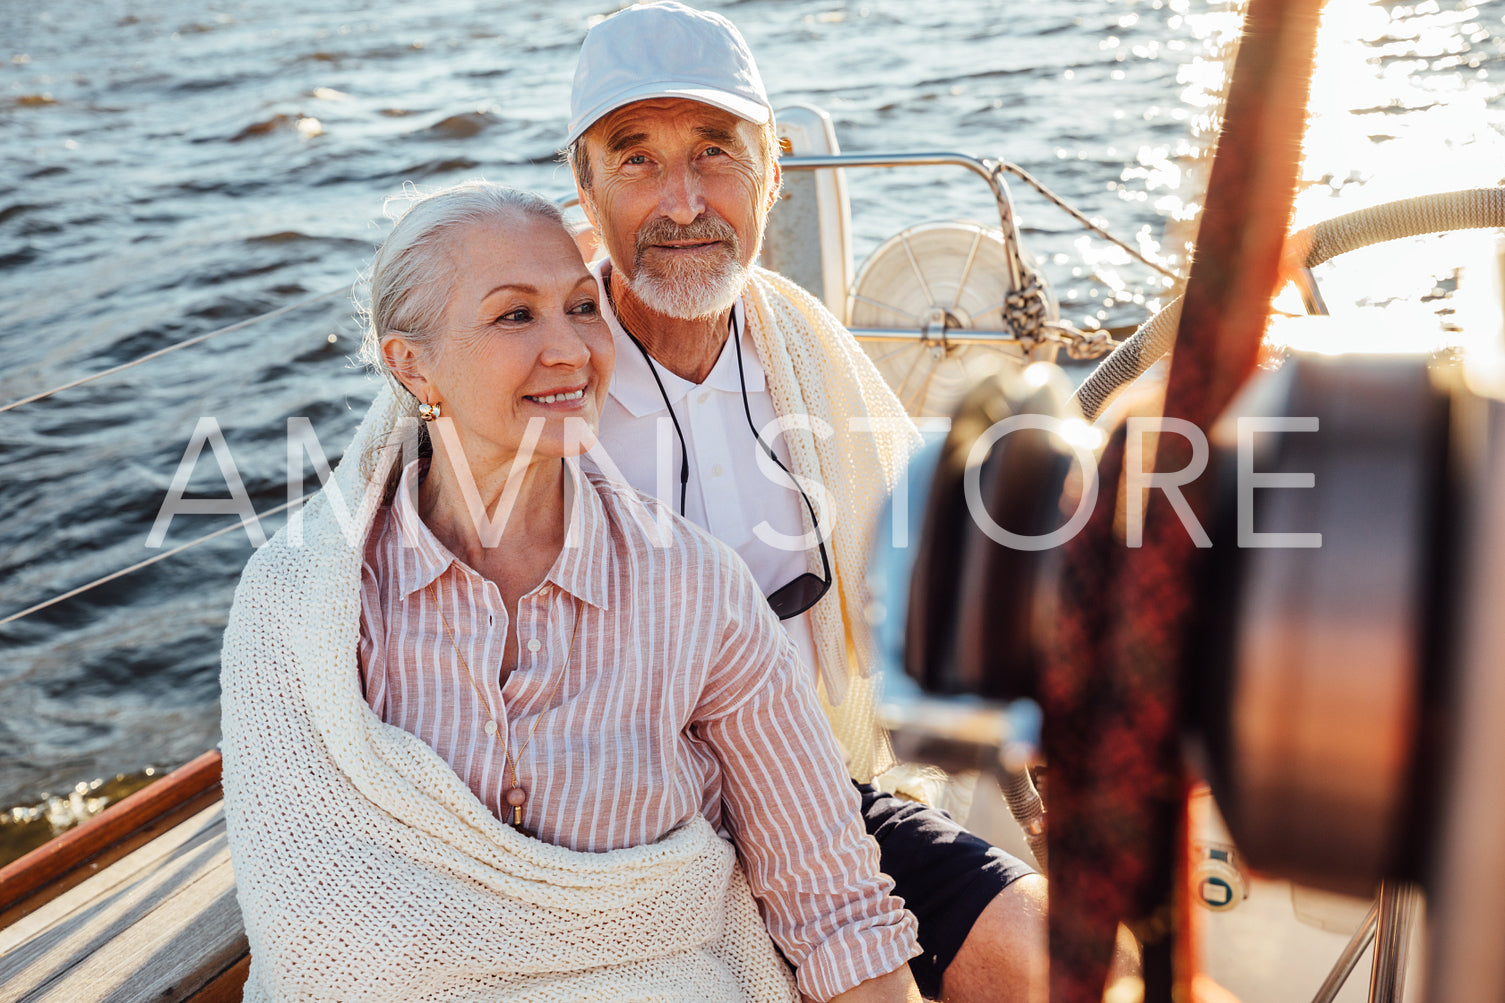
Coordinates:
[690,291]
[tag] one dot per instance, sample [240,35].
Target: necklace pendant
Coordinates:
[516,798]
[517,813]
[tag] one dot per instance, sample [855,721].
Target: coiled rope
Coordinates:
[1470,209]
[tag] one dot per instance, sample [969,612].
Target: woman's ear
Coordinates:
[403,360]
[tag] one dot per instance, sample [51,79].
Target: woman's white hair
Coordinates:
[411,279]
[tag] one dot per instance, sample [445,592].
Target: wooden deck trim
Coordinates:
[160,925]
[55,866]
[228,986]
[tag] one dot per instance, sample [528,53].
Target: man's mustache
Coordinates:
[699,230]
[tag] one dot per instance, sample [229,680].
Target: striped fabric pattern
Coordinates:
[681,696]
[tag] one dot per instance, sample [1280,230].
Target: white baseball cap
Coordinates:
[663,50]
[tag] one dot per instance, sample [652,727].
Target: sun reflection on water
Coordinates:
[1403,103]
[1407,99]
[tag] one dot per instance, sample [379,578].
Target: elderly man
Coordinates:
[729,379]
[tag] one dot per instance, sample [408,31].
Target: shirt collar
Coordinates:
[430,558]
[583,567]
[632,382]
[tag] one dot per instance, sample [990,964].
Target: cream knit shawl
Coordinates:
[815,367]
[368,871]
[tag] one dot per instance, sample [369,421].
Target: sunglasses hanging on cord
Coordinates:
[797,596]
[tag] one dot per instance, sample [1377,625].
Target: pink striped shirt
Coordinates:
[682,694]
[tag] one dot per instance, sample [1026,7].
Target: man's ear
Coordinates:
[773,187]
[403,360]
[587,206]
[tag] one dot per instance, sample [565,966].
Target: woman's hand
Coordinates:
[895,987]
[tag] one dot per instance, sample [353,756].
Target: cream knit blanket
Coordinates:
[368,871]
[815,367]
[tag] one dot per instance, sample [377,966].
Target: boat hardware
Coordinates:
[991,171]
[1028,312]
[1349,959]
[948,280]
[1469,209]
[1108,656]
[1342,698]
[1399,903]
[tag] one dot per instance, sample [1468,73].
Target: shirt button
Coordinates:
[491,727]
[716,470]
[535,644]
[704,396]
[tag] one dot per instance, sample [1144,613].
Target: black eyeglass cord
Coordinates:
[747,410]
[684,452]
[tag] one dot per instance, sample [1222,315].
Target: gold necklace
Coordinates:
[516,795]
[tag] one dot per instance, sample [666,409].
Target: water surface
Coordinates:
[174,170]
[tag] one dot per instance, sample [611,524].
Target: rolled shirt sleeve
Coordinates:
[793,811]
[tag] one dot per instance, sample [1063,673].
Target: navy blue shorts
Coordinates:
[945,875]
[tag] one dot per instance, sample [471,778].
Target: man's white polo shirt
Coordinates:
[728,493]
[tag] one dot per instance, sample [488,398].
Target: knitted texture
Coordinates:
[815,368]
[368,871]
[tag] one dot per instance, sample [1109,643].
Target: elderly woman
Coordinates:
[493,725]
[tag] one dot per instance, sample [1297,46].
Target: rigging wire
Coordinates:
[1061,204]
[1014,169]
[146,563]
[200,339]
[196,340]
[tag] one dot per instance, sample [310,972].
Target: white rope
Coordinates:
[1474,208]
[142,564]
[197,340]
[1129,360]
[1470,209]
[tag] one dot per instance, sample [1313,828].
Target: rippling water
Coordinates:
[173,171]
